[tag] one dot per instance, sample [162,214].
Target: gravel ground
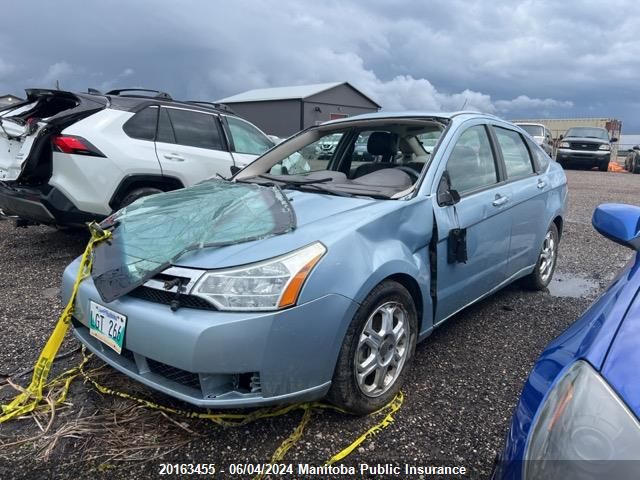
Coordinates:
[459,395]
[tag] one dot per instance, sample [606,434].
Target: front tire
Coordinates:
[376,351]
[604,166]
[542,273]
[137,193]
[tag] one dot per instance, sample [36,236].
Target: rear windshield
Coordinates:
[587,132]
[533,130]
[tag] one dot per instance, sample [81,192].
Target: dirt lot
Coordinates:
[458,399]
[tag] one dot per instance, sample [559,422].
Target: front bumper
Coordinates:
[583,157]
[41,204]
[220,359]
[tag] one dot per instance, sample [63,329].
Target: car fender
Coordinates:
[394,244]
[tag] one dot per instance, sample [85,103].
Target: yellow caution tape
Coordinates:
[390,409]
[32,396]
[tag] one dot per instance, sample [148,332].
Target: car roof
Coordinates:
[530,123]
[414,114]
[134,103]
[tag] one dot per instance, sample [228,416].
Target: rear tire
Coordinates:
[542,273]
[137,193]
[377,350]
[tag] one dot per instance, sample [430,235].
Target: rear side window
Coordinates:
[246,138]
[192,129]
[471,165]
[540,157]
[143,124]
[515,153]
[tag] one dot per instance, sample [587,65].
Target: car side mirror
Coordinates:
[618,222]
[234,169]
[560,137]
[446,196]
[614,140]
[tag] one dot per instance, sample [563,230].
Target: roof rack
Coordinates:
[125,91]
[218,106]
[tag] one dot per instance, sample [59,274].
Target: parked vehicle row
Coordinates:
[68,158]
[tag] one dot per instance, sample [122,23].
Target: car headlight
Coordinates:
[564,145]
[268,285]
[581,420]
[604,146]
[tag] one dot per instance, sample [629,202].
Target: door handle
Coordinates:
[541,184]
[174,156]
[500,200]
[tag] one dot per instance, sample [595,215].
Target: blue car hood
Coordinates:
[318,218]
[622,364]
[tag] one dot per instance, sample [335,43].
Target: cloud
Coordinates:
[508,57]
[523,102]
[56,72]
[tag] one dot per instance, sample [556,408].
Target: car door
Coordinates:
[190,145]
[246,141]
[472,234]
[529,191]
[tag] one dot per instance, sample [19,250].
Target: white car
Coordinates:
[540,134]
[68,158]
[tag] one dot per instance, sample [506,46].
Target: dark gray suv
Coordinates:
[586,147]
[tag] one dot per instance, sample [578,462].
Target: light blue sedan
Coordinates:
[308,276]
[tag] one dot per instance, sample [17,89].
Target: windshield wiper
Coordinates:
[314,184]
[296,182]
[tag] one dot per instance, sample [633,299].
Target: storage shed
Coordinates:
[9,100]
[283,111]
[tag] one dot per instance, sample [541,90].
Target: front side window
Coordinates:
[515,153]
[247,139]
[471,165]
[142,125]
[195,129]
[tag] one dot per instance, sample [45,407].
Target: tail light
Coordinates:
[75,145]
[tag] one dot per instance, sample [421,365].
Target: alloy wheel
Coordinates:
[383,348]
[547,256]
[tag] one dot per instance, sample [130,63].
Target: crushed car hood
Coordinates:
[153,232]
[318,216]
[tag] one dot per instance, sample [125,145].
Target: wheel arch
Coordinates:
[132,182]
[558,220]
[412,286]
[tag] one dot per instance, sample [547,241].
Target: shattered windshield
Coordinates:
[153,232]
[381,159]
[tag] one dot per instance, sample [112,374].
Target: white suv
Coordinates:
[68,158]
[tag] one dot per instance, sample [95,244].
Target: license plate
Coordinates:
[107,326]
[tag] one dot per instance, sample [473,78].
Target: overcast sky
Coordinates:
[515,59]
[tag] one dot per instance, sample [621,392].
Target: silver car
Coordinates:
[540,134]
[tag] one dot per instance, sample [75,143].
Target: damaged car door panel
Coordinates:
[314,272]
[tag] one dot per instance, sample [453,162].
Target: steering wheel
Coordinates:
[409,171]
